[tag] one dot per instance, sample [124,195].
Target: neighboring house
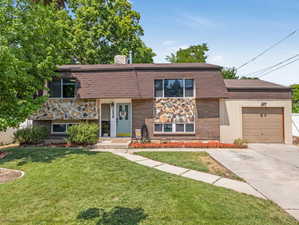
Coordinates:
[188,101]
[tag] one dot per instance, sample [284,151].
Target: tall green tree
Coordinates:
[36,37]
[33,40]
[295,93]
[102,29]
[193,54]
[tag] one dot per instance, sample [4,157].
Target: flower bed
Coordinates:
[213,144]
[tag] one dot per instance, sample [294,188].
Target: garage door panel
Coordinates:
[263,125]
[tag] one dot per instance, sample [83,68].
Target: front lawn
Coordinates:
[200,161]
[71,186]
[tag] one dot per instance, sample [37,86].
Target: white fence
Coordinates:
[295,118]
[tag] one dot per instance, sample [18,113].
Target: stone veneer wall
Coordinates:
[172,110]
[67,109]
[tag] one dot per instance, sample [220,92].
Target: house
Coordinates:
[188,101]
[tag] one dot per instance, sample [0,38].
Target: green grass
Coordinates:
[200,161]
[72,186]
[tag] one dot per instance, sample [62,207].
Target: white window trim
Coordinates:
[184,87]
[61,91]
[174,129]
[67,125]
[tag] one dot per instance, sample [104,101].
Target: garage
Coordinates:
[263,124]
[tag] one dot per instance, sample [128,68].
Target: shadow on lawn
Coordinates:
[116,216]
[41,154]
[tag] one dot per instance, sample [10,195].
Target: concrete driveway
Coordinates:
[272,169]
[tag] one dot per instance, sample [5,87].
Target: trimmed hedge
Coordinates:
[31,135]
[83,134]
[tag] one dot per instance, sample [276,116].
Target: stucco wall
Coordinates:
[67,109]
[231,117]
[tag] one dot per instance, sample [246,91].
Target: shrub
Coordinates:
[240,142]
[83,134]
[31,135]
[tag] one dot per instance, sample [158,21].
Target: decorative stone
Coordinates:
[172,110]
[67,109]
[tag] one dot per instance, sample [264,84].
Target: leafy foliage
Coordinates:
[193,54]
[83,134]
[33,41]
[102,29]
[37,37]
[31,135]
[295,90]
[229,73]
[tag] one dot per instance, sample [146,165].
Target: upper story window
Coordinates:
[62,88]
[174,88]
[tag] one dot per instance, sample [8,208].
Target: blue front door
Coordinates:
[123,120]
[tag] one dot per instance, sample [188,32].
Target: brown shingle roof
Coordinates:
[252,84]
[159,66]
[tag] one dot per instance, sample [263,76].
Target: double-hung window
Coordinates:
[62,88]
[174,88]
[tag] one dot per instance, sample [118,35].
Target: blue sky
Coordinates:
[235,31]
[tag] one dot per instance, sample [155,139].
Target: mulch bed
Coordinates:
[185,145]
[7,175]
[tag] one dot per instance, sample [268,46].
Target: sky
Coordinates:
[234,30]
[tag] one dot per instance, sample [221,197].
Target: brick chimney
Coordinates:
[120,59]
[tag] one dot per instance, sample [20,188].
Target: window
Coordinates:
[167,128]
[158,88]
[174,88]
[189,88]
[158,127]
[61,128]
[179,128]
[62,88]
[190,127]
[174,128]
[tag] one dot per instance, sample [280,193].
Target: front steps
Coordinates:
[113,143]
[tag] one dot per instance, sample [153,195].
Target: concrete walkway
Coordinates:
[272,169]
[192,174]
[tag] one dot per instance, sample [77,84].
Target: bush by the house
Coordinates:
[83,134]
[31,135]
[240,142]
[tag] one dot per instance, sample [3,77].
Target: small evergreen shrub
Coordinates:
[240,142]
[83,134]
[31,135]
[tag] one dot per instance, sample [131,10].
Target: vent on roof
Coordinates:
[120,59]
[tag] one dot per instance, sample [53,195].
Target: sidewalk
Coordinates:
[192,174]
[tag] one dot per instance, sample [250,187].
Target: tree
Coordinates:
[229,73]
[36,37]
[193,54]
[32,42]
[295,92]
[103,29]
